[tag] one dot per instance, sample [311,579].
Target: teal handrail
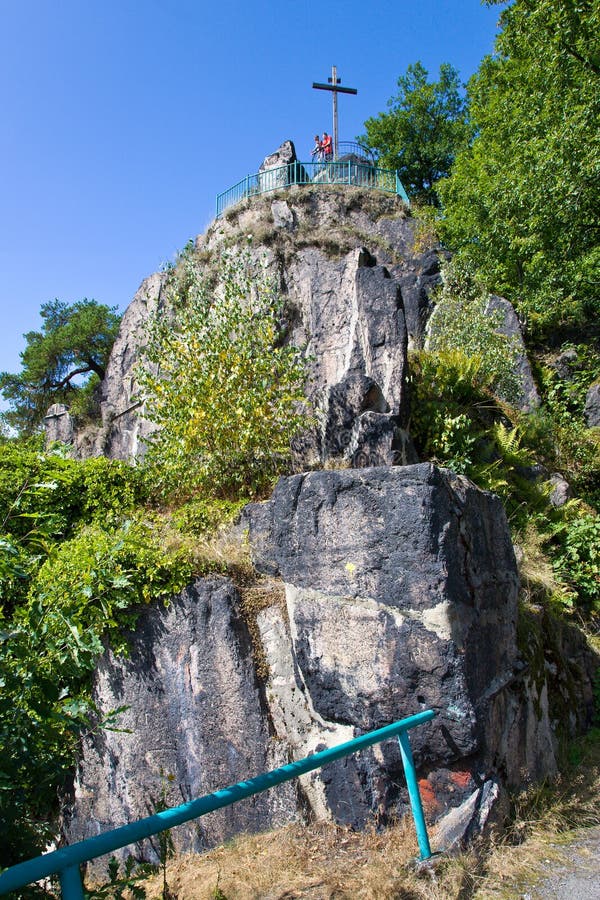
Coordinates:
[66,861]
[316,173]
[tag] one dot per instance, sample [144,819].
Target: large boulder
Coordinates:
[401,589]
[191,721]
[400,595]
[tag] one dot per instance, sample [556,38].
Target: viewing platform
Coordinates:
[352,165]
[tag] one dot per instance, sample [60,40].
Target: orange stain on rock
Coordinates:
[460,779]
[428,798]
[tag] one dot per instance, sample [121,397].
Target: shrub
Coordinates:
[577,561]
[45,497]
[224,390]
[87,590]
[461,321]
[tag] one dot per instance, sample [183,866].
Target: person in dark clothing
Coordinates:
[317,150]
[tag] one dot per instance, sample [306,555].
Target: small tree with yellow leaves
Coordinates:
[224,389]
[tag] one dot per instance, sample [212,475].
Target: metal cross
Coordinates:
[333,86]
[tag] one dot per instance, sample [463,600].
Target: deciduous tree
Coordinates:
[224,389]
[425,127]
[521,202]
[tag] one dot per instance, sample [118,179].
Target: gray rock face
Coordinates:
[565,364]
[562,491]
[592,406]
[195,723]
[58,424]
[464,822]
[123,428]
[401,589]
[401,595]
[351,279]
[283,216]
[352,323]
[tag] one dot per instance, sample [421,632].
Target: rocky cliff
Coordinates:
[400,595]
[399,578]
[358,281]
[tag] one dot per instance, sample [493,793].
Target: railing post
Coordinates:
[414,795]
[70,883]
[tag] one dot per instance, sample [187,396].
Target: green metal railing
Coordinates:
[316,173]
[66,861]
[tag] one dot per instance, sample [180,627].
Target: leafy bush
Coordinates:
[456,422]
[449,406]
[89,588]
[521,200]
[570,446]
[206,515]
[461,320]
[222,387]
[577,561]
[74,563]
[44,497]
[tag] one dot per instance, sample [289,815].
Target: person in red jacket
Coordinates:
[326,144]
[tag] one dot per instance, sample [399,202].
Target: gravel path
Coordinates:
[577,878]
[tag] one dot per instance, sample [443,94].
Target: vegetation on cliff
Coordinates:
[224,389]
[77,554]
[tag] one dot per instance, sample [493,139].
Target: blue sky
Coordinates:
[122,120]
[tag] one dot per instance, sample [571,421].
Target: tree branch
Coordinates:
[57,385]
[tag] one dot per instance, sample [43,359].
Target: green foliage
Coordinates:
[74,342]
[446,395]
[206,515]
[521,201]
[424,129]
[566,394]
[71,570]
[462,320]
[83,593]
[221,385]
[84,590]
[576,560]
[44,496]
[558,430]
[456,422]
